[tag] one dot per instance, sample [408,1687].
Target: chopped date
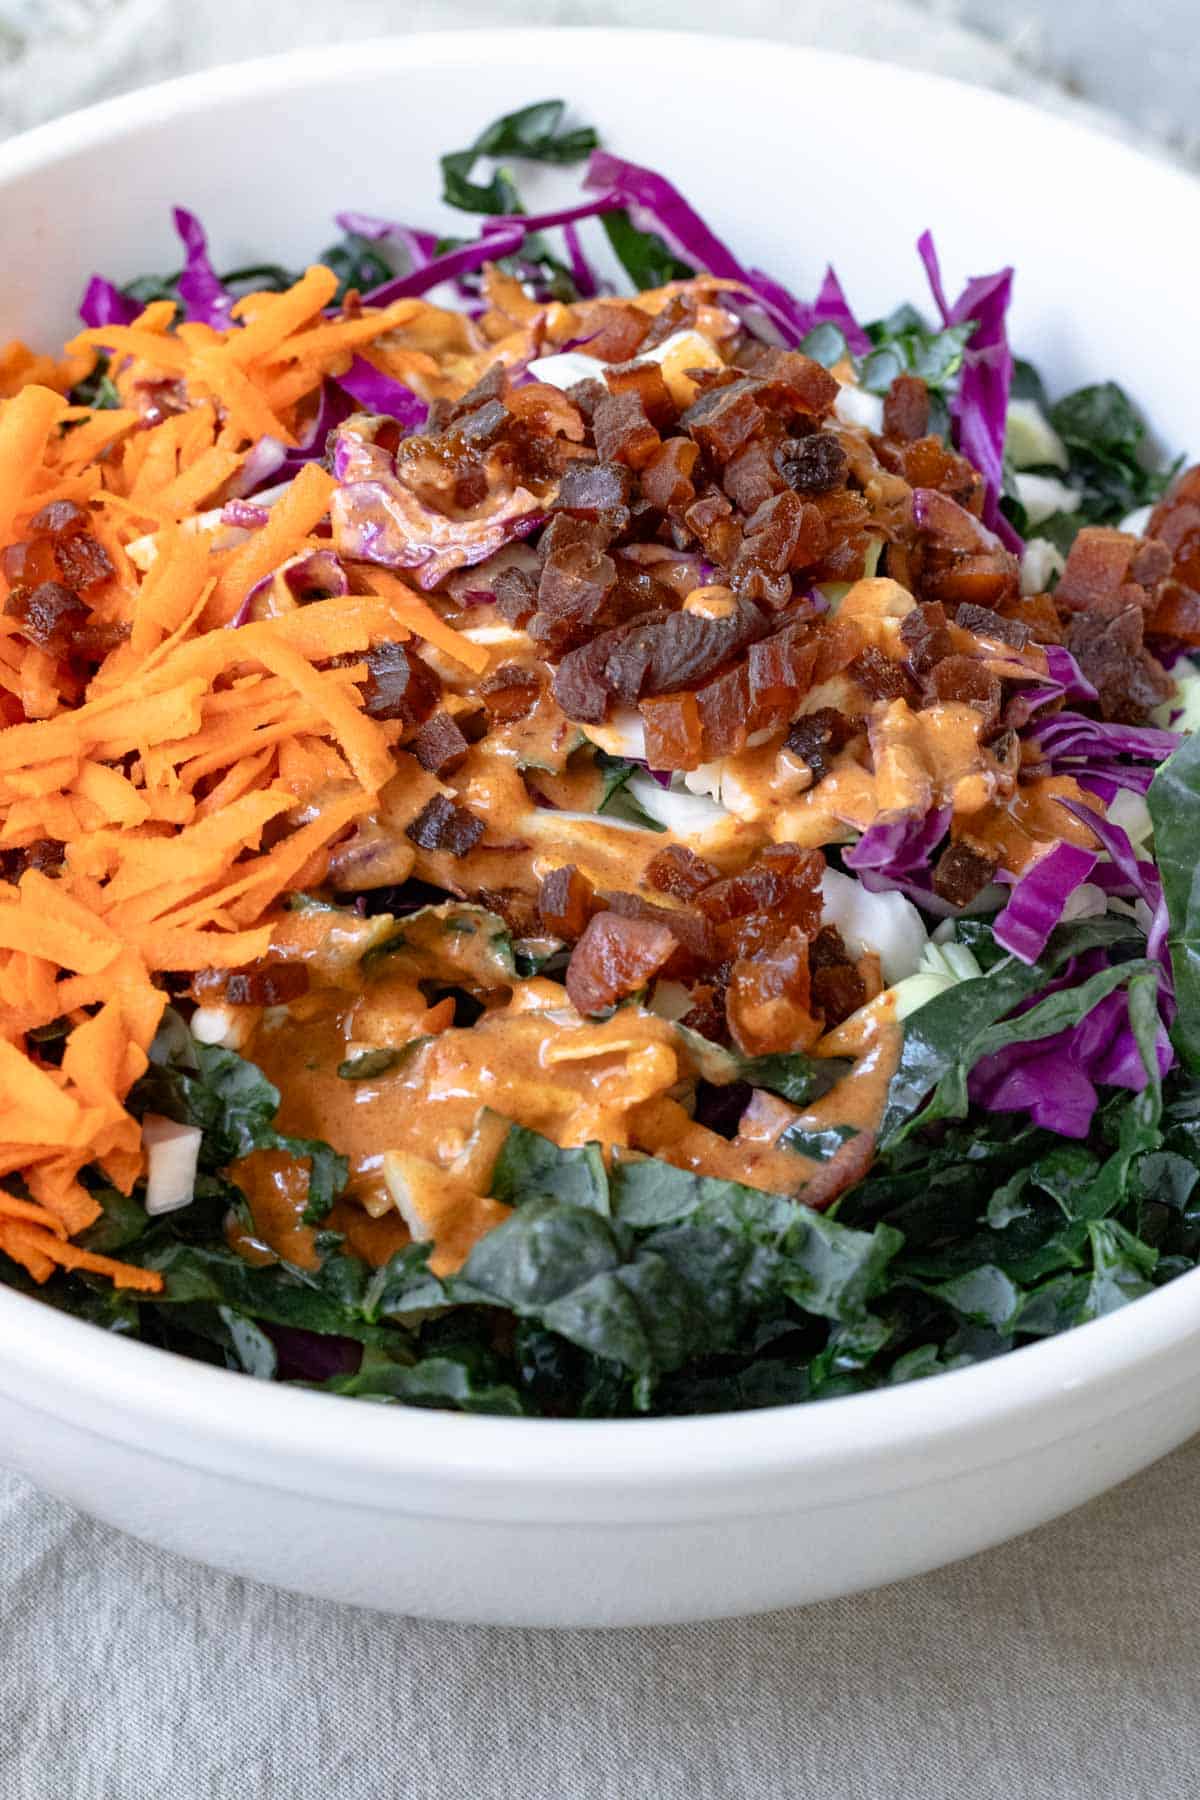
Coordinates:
[667,477]
[47,855]
[780,670]
[1038,613]
[817,738]
[769,999]
[906,409]
[516,908]
[784,532]
[580,686]
[586,395]
[725,418]
[694,934]
[492,385]
[750,478]
[621,333]
[673,731]
[623,432]
[510,692]
[655,655]
[575,578]
[614,958]
[443,825]
[662,654]
[1176,613]
[986,623]
[516,596]
[880,677]
[565,899]
[779,890]
[815,464]
[272,984]
[925,631]
[678,871]
[724,708]
[1175,522]
[572,531]
[399,685]
[837,987]
[646,380]
[711,519]
[1109,649]
[1108,569]
[595,490]
[59,519]
[707,1016]
[50,614]
[962,872]
[791,382]
[439,745]
[29,563]
[926,463]
[960,678]
[679,314]
[484,426]
[82,561]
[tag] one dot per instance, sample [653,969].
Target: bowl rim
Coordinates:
[56,1364]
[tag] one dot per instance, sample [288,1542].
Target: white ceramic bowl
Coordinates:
[796,157]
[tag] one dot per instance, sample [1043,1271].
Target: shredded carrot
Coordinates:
[193,774]
[16,1237]
[292,516]
[409,609]
[26,422]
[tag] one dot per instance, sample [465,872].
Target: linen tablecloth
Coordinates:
[1062,1666]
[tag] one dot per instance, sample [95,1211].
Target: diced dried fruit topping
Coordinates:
[614,958]
[442,825]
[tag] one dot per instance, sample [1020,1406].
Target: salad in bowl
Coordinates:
[586,844]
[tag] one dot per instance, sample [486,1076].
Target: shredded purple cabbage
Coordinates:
[206,300]
[244,514]
[582,273]
[310,1356]
[1036,904]
[382,394]
[1054,1079]
[418,246]
[461,261]
[103,303]
[894,856]
[655,204]
[980,408]
[832,308]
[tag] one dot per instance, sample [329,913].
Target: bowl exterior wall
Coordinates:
[510,1571]
[682,1520]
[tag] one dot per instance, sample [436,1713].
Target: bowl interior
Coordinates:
[798,158]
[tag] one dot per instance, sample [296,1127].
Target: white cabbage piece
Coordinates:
[941,967]
[1030,439]
[888,923]
[172,1155]
[855,406]
[1044,495]
[1041,562]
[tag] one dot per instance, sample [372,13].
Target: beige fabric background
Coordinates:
[1062,1667]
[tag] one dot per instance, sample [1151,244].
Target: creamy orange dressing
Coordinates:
[1024,826]
[416,1136]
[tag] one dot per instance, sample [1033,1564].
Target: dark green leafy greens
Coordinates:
[1110,461]
[234,1105]
[535,133]
[1174,801]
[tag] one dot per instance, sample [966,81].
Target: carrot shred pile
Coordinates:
[195,774]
